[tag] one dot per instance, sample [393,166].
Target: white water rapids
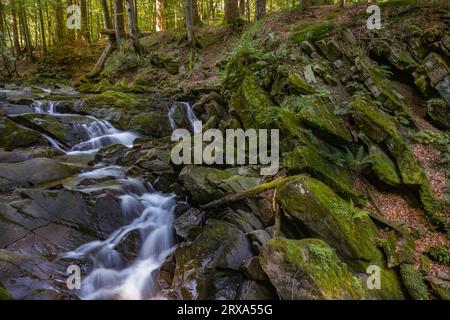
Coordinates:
[148,220]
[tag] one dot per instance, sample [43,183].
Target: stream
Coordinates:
[147,214]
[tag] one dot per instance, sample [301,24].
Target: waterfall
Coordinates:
[191,117]
[147,217]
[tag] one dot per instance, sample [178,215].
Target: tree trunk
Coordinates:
[160,15]
[106,16]
[41,24]
[84,21]
[189,20]
[195,15]
[242,6]
[260,9]
[25,30]
[231,15]
[60,27]
[247,7]
[132,24]
[15,28]
[119,23]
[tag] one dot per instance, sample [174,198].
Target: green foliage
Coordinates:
[413,281]
[356,162]
[440,254]
[312,32]
[122,60]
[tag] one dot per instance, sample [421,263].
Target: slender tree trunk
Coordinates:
[195,15]
[106,15]
[132,24]
[84,21]
[41,20]
[247,6]
[25,30]
[242,6]
[160,15]
[260,9]
[119,20]
[231,15]
[15,28]
[189,20]
[60,27]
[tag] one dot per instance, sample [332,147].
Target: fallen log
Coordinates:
[249,193]
[101,61]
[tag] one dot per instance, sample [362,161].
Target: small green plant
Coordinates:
[440,254]
[357,162]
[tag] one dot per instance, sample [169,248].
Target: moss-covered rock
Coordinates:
[4,295]
[203,182]
[308,269]
[327,216]
[440,254]
[414,282]
[14,136]
[440,287]
[383,166]
[219,246]
[153,124]
[307,159]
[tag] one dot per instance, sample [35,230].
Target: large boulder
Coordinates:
[32,172]
[308,269]
[323,214]
[219,247]
[14,136]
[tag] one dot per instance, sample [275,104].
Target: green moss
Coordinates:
[14,136]
[299,83]
[305,158]
[347,228]
[319,115]
[413,281]
[440,254]
[4,295]
[383,166]
[312,32]
[325,276]
[114,99]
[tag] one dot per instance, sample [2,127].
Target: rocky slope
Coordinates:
[363,118]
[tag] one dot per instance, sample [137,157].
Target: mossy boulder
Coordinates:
[414,282]
[252,103]
[203,182]
[383,166]
[308,269]
[325,215]
[440,287]
[439,112]
[65,128]
[307,159]
[14,136]
[220,246]
[155,124]
[320,116]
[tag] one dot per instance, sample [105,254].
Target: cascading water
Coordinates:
[147,215]
[192,118]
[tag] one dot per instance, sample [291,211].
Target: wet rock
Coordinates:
[202,182]
[14,136]
[153,124]
[32,172]
[252,270]
[187,225]
[252,290]
[440,287]
[219,245]
[308,269]
[65,128]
